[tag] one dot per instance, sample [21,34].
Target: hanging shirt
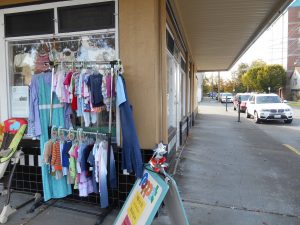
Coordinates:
[56,158]
[121,97]
[60,89]
[131,152]
[84,158]
[47,151]
[72,165]
[91,161]
[94,82]
[34,125]
[110,86]
[102,157]
[52,188]
[65,153]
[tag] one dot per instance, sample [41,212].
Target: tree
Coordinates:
[206,85]
[237,77]
[249,79]
[258,63]
[273,76]
[228,86]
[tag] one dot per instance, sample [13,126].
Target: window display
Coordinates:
[81,73]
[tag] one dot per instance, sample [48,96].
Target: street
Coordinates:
[239,173]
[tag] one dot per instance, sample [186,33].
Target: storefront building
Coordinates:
[158,69]
[158,62]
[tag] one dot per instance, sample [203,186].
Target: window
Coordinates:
[34,56]
[86,17]
[295,82]
[183,87]
[25,23]
[171,91]
[170,42]
[268,99]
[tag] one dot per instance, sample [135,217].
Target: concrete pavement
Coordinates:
[230,173]
[234,173]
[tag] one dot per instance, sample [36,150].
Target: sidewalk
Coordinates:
[230,173]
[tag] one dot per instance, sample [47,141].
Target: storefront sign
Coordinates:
[143,201]
[20,102]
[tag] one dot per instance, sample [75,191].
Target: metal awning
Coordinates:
[219,32]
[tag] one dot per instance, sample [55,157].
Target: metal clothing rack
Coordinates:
[112,64]
[114,67]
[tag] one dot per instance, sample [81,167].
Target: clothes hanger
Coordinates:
[61,134]
[71,135]
[53,133]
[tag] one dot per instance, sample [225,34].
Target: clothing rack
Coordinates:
[79,131]
[84,61]
[114,72]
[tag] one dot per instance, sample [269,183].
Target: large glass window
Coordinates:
[76,53]
[183,86]
[171,95]
[29,23]
[183,93]
[86,17]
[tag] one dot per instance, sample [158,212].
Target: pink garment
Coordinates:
[68,78]
[75,152]
[42,63]
[108,86]
[59,87]
[85,186]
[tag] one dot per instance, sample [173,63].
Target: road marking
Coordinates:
[292,149]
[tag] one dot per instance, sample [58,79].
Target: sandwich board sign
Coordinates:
[143,201]
[145,198]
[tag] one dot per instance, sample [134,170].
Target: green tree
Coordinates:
[258,63]
[273,76]
[249,79]
[237,77]
[206,85]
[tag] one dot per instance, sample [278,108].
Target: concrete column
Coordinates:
[142,51]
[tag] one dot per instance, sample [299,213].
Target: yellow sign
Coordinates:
[136,208]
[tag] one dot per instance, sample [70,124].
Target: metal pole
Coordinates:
[226,103]
[239,112]
[212,86]
[219,85]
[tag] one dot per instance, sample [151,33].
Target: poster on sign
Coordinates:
[143,201]
[20,101]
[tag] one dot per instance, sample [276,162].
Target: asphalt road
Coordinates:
[286,134]
[239,173]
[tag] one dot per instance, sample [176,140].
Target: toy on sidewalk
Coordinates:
[11,133]
[158,160]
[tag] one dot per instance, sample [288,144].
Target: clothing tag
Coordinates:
[125,172]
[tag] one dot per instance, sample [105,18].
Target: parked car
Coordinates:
[243,97]
[229,97]
[265,107]
[217,96]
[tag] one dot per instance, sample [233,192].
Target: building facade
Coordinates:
[160,73]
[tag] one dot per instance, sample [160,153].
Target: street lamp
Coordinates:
[269,88]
